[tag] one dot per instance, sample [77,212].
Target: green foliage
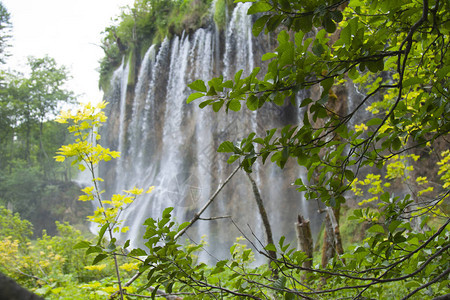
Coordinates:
[31,183]
[414,102]
[393,260]
[391,254]
[220,12]
[149,22]
[11,225]
[5,28]
[46,261]
[87,154]
[394,53]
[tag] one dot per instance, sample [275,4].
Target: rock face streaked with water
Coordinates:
[172,145]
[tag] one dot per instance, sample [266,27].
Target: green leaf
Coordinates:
[304,23]
[102,233]
[259,25]
[376,229]
[232,158]
[305,102]
[268,55]
[285,5]
[183,225]
[137,252]
[111,246]
[346,36]
[349,175]
[155,291]
[441,73]
[280,283]
[226,146]
[327,84]
[328,24]
[81,245]
[99,258]
[287,55]
[274,22]
[253,102]
[317,48]
[257,7]
[399,238]
[336,15]
[375,66]
[93,249]
[194,96]
[412,81]
[211,92]
[374,121]
[358,39]
[271,247]
[234,105]
[166,212]
[205,103]
[221,263]
[284,157]
[396,143]
[198,85]
[218,105]
[169,287]
[237,76]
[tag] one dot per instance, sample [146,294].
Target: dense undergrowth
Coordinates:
[52,268]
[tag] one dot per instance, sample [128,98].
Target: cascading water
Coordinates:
[171,145]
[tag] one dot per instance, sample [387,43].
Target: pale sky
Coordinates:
[67,30]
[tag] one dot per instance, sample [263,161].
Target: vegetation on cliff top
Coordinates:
[149,22]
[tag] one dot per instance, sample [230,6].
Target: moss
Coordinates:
[110,62]
[132,64]
[220,14]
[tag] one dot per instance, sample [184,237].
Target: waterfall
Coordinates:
[171,145]
[239,45]
[138,116]
[123,75]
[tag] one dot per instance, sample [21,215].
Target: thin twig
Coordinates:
[199,213]
[436,279]
[214,218]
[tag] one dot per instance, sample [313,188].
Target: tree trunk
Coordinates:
[328,242]
[332,242]
[265,219]
[304,241]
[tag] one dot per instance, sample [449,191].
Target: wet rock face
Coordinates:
[172,145]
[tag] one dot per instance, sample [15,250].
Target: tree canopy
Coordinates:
[30,180]
[5,27]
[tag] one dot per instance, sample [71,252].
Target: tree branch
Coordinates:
[198,214]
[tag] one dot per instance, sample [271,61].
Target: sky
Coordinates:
[68,31]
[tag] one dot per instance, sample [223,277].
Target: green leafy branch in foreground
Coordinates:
[395,53]
[393,253]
